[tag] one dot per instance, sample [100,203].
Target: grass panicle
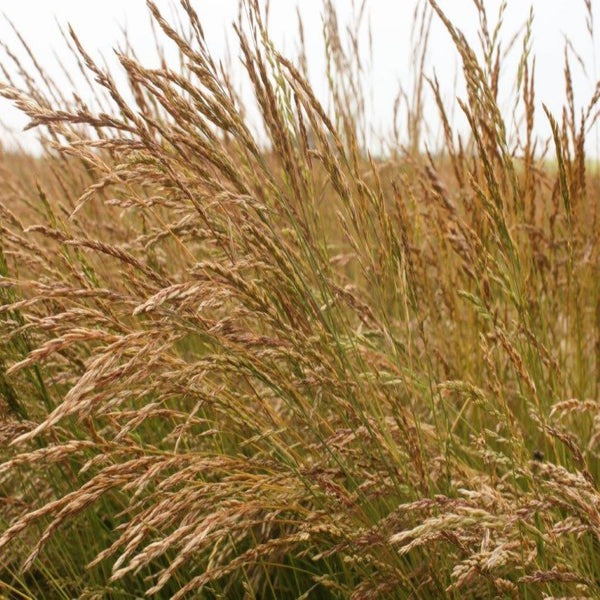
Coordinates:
[252,358]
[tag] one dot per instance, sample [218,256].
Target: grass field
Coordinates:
[274,366]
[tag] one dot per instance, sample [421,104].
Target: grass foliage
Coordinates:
[255,361]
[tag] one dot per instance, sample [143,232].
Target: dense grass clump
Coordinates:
[244,365]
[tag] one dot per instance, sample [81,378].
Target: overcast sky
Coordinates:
[100,24]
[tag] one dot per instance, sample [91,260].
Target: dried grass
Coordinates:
[234,367]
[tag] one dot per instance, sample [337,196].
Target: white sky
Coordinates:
[99,26]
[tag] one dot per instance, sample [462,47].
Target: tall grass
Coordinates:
[236,366]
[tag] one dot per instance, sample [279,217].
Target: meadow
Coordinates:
[253,366]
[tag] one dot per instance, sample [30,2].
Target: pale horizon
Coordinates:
[100,29]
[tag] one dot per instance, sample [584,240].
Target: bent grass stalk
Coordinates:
[275,365]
